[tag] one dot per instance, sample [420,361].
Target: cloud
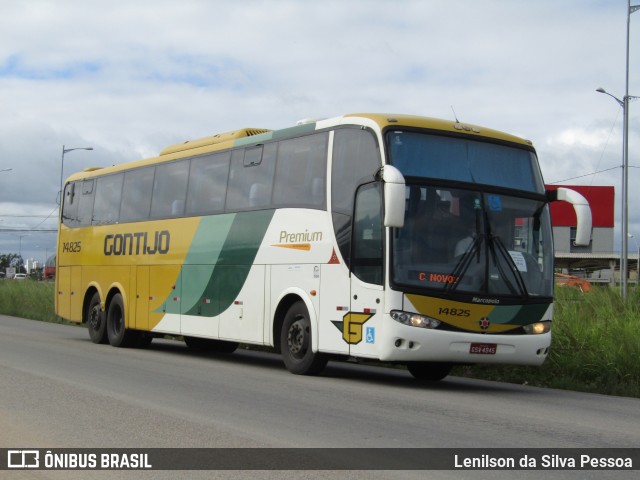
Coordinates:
[129,78]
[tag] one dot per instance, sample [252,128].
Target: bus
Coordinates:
[49,271]
[402,239]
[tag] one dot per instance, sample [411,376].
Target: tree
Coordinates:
[12,260]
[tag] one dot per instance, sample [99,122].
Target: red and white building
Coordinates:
[598,262]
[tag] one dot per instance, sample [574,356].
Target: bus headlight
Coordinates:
[537,328]
[414,319]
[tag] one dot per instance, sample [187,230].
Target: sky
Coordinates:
[128,78]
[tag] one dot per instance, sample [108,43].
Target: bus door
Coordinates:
[165,297]
[63,292]
[142,298]
[367,255]
[243,319]
[334,306]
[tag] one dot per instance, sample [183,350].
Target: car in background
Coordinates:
[20,276]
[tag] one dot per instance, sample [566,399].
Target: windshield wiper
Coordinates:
[492,241]
[465,261]
[495,240]
[496,250]
[467,257]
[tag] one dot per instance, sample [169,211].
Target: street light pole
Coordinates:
[20,248]
[66,150]
[624,103]
[624,255]
[638,257]
[625,167]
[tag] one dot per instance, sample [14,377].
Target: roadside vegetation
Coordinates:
[595,347]
[28,299]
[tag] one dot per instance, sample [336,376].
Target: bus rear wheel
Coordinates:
[118,334]
[96,322]
[295,343]
[429,371]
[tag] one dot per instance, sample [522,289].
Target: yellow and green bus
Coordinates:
[396,238]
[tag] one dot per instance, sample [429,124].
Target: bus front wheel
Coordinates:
[295,343]
[118,335]
[96,322]
[429,371]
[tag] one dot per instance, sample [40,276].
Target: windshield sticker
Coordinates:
[519,260]
[495,203]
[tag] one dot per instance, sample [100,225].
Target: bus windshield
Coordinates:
[473,242]
[451,158]
[473,239]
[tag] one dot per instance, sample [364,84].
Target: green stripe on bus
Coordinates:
[530,314]
[204,252]
[242,239]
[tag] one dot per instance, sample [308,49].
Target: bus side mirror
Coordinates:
[582,209]
[394,196]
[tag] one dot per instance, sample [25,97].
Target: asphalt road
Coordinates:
[58,390]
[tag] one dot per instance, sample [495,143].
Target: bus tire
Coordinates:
[118,334]
[429,371]
[295,343]
[210,345]
[96,321]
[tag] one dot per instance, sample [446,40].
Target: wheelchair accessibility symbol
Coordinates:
[495,203]
[370,336]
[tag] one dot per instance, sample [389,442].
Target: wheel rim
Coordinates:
[298,338]
[94,317]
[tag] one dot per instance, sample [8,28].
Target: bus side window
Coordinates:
[107,201]
[356,160]
[170,189]
[136,194]
[70,206]
[301,172]
[85,207]
[251,178]
[208,184]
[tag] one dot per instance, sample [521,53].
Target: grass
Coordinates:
[595,347]
[28,299]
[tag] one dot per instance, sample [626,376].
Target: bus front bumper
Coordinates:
[410,344]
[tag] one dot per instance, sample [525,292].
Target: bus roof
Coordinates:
[245,136]
[385,120]
[213,140]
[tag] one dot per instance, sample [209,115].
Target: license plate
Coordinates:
[483,348]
